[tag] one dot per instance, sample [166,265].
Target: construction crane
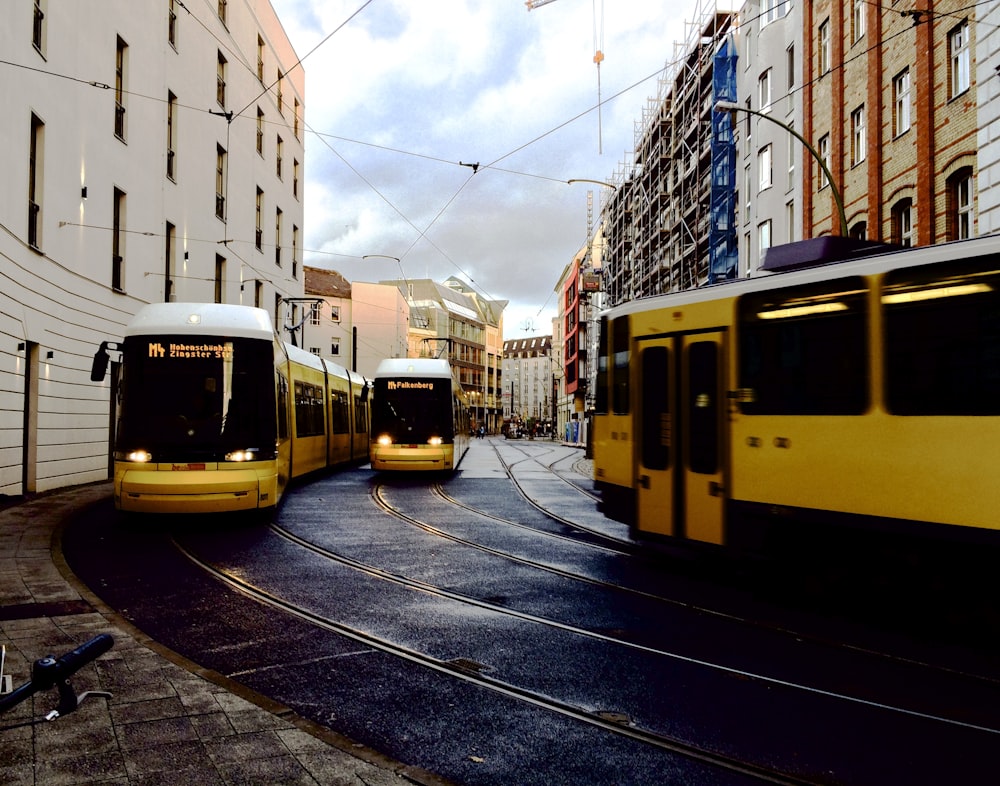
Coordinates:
[598,58]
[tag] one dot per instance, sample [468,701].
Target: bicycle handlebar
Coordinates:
[48,672]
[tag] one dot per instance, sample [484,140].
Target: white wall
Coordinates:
[58,297]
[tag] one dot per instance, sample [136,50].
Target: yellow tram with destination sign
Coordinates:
[420,416]
[214,413]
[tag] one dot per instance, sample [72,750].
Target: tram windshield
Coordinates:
[187,398]
[412,410]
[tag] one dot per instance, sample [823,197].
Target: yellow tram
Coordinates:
[214,413]
[842,399]
[420,416]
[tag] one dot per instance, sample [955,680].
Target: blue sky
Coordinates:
[407,89]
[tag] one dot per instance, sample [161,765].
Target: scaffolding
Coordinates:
[658,220]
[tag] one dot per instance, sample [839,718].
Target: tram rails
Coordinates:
[467,656]
[215,413]
[420,416]
[450,606]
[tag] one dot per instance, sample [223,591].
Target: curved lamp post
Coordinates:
[729,106]
[588,180]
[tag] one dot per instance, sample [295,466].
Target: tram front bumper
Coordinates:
[410,458]
[192,491]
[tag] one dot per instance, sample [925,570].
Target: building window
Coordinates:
[260,59]
[790,65]
[858,19]
[279,150]
[823,47]
[295,178]
[277,237]
[824,155]
[858,142]
[38,26]
[220,278]
[295,120]
[747,190]
[901,103]
[220,182]
[259,220]
[763,237]
[335,347]
[222,14]
[118,241]
[260,132]
[258,293]
[790,222]
[764,169]
[35,182]
[121,61]
[315,314]
[334,313]
[859,231]
[772,10]
[902,223]
[172,23]
[295,251]
[960,197]
[278,87]
[764,90]
[958,46]
[171,135]
[220,81]
[168,261]
[792,149]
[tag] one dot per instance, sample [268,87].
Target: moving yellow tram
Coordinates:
[848,400]
[420,416]
[214,413]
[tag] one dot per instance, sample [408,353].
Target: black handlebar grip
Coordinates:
[46,672]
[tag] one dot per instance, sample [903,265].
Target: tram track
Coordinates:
[468,672]
[789,634]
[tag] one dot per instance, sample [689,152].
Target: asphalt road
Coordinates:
[463,643]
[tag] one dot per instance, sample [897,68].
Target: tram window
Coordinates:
[657,426]
[803,350]
[309,420]
[340,412]
[620,340]
[942,334]
[282,383]
[703,407]
[601,394]
[360,416]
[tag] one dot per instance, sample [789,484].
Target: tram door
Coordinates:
[679,442]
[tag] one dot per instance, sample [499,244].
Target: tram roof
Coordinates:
[830,271]
[221,319]
[413,367]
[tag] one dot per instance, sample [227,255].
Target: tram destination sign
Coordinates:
[408,384]
[210,350]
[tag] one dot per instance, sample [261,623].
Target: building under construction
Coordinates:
[659,232]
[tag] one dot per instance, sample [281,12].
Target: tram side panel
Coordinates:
[876,408]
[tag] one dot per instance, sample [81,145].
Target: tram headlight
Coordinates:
[434,441]
[242,455]
[384,440]
[139,456]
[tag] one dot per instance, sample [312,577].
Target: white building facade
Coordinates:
[151,152]
[768,157]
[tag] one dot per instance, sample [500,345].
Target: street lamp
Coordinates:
[595,182]
[729,106]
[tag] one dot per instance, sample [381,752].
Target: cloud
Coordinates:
[405,91]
